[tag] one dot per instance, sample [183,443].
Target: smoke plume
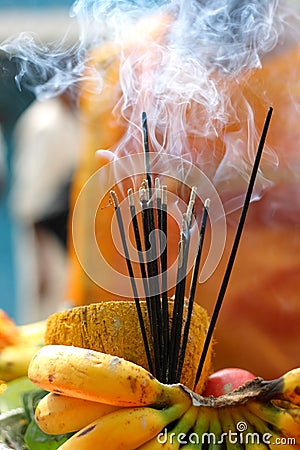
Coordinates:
[189,78]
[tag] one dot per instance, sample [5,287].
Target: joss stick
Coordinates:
[146,148]
[139,248]
[131,275]
[183,254]
[192,290]
[161,202]
[235,245]
[152,272]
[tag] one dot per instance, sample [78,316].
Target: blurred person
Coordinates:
[45,155]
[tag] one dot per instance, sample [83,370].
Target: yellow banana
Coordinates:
[159,442]
[200,432]
[216,438]
[207,431]
[96,376]
[59,414]
[285,420]
[125,429]
[229,428]
[287,387]
[248,435]
[15,359]
[291,386]
[178,436]
[32,333]
[269,435]
[263,407]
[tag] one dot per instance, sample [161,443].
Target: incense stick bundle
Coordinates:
[177,347]
[169,342]
[170,346]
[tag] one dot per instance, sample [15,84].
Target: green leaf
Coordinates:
[18,429]
[11,398]
[30,401]
[36,439]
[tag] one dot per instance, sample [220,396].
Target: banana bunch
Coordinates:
[15,357]
[111,403]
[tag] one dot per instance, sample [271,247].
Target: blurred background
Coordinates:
[23,222]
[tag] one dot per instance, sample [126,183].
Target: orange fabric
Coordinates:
[258,327]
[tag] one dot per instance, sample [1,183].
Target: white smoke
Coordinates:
[230,35]
[185,80]
[181,79]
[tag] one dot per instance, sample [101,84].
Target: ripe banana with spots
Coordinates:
[150,415]
[59,414]
[256,427]
[95,376]
[124,429]
[286,420]
[290,386]
[247,435]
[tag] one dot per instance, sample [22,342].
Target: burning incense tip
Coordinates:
[164,195]
[143,195]
[207,203]
[146,148]
[114,198]
[158,188]
[130,197]
[189,212]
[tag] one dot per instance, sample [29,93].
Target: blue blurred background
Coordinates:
[50,19]
[34,3]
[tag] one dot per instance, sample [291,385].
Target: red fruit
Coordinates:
[226,380]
